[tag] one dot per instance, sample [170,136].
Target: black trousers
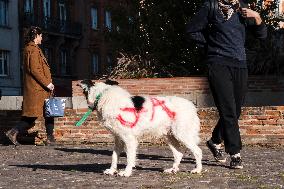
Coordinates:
[228,86]
[28,122]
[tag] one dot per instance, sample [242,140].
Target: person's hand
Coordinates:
[50,86]
[248,13]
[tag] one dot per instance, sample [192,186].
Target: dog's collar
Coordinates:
[98,97]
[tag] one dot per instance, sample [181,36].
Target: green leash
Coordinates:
[85,116]
[82,120]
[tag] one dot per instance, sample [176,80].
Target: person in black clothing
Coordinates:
[223,37]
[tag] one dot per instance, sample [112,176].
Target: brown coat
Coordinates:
[36,77]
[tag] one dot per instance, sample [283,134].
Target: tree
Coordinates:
[154,30]
[262,55]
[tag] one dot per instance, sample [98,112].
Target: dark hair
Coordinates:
[33,32]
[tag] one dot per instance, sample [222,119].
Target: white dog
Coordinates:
[127,117]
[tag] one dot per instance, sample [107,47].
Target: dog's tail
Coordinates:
[187,121]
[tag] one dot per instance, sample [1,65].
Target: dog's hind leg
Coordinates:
[175,147]
[118,148]
[131,144]
[197,152]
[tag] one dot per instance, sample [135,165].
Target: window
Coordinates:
[46,8]
[46,13]
[28,6]
[62,16]
[108,20]
[3,13]
[95,63]
[48,55]
[4,62]
[62,12]
[109,62]
[64,66]
[94,16]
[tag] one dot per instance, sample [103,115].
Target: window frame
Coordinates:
[97,18]
[4,21]
[46,10]
[62,6]
[109,61]
[64,64]
[31,6]
[48,54]
[4,54]
[95,68]
[108,20]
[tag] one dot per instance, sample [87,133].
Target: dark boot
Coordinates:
[50,141]
[25,124]
[12,135]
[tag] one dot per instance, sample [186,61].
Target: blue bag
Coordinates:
[54,107]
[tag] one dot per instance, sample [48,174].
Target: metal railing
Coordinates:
[53,25]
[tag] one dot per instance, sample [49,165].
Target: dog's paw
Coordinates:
[171,170]
[125,173]
[195,171]
[110,171]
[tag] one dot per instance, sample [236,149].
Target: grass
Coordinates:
[246,178]
[282,176]
[174,178]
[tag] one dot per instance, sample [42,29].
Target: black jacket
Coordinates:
[223,38]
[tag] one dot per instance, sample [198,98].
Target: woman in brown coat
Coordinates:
[38,85]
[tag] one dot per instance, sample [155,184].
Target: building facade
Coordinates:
[62,32]
[10,77]
[73,38]
[94,52]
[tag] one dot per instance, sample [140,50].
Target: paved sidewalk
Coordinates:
[82,166]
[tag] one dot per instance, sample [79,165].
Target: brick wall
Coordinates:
[259,124]
[262,90]
[157,86]
[187,85]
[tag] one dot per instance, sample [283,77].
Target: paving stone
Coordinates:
[81,166]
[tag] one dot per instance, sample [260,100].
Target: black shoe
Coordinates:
[12,135]
[50,141]
[217,153]
[236,162]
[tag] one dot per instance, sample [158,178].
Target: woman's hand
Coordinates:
[50,86]
[248,13]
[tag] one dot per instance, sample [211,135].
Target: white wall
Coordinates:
[9,40]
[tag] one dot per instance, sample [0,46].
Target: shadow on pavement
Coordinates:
[109,153]
[89,151]
[142,157]
[95,168]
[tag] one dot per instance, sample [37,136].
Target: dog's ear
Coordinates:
[86,84]
[111,82]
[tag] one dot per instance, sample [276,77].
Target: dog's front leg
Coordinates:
[175,147]
[118,148]
[131,148]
